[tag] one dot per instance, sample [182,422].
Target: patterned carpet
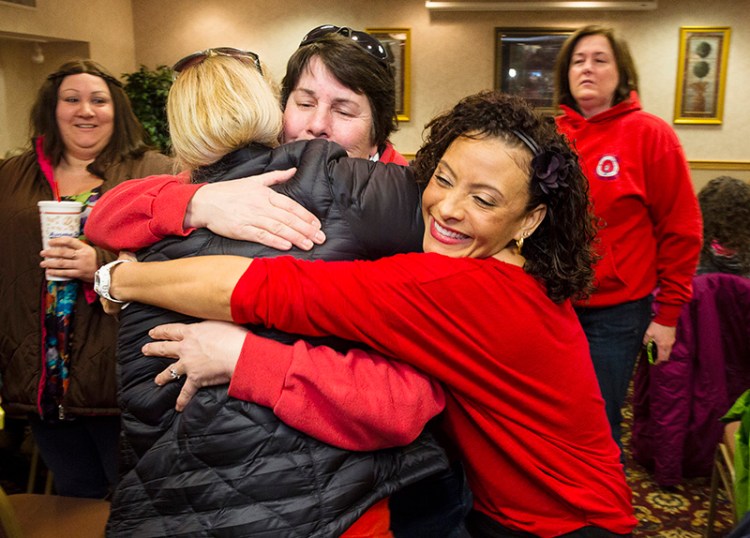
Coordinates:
[679,512]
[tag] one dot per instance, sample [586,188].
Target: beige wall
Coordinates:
[107,25]
[19,81]
[702,173]
[100,29]
[452,52]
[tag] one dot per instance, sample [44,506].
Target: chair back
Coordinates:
[677,405]
[9,524]
[30,515]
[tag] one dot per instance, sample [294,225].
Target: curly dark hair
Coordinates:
[560,252]
[128,136]
[356,69]
[725,205]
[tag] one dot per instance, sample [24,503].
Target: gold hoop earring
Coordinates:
[519,245]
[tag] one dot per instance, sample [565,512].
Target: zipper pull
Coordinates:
[60,412]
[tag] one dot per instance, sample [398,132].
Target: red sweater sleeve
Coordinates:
[356,401]
[404,306]
[140,212]
[677,226]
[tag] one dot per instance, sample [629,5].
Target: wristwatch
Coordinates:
[103,280]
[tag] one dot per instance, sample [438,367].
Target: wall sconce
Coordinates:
[37,57]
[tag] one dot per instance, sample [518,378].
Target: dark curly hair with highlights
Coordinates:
[725,205]
[560,252]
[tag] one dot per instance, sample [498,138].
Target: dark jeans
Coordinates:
[435,507]
[482,526]
[615,336]
[81,453]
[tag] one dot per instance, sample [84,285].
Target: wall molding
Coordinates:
[700,164]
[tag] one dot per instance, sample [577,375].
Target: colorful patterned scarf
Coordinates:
[59,310]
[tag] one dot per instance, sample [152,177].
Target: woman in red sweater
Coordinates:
[640,189]
[486,310]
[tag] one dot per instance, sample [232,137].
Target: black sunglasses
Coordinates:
[198,57]
[374,47]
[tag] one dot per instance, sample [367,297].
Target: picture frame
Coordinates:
[701,75]
[398,41]
[525,63]
[29,4]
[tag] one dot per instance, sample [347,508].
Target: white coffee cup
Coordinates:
[59,219]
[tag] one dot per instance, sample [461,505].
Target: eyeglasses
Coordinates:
[198,57]
[371,45]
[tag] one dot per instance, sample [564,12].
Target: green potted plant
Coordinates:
[148,90]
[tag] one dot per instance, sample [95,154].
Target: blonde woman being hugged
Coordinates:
[222,464]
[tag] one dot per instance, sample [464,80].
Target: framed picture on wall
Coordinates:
[398,41]
[701,74]
[525,62]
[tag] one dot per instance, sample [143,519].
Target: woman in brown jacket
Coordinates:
[57,346]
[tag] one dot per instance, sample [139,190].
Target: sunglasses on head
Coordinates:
[374,47]
[198,57]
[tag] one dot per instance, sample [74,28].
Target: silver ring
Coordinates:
[174,374]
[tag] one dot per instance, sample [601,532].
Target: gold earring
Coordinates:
[519,245]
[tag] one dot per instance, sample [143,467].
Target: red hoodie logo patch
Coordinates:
[608,167]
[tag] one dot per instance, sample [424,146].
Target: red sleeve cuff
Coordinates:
[261,371]
[247,286]
[667,314]
[170,207]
